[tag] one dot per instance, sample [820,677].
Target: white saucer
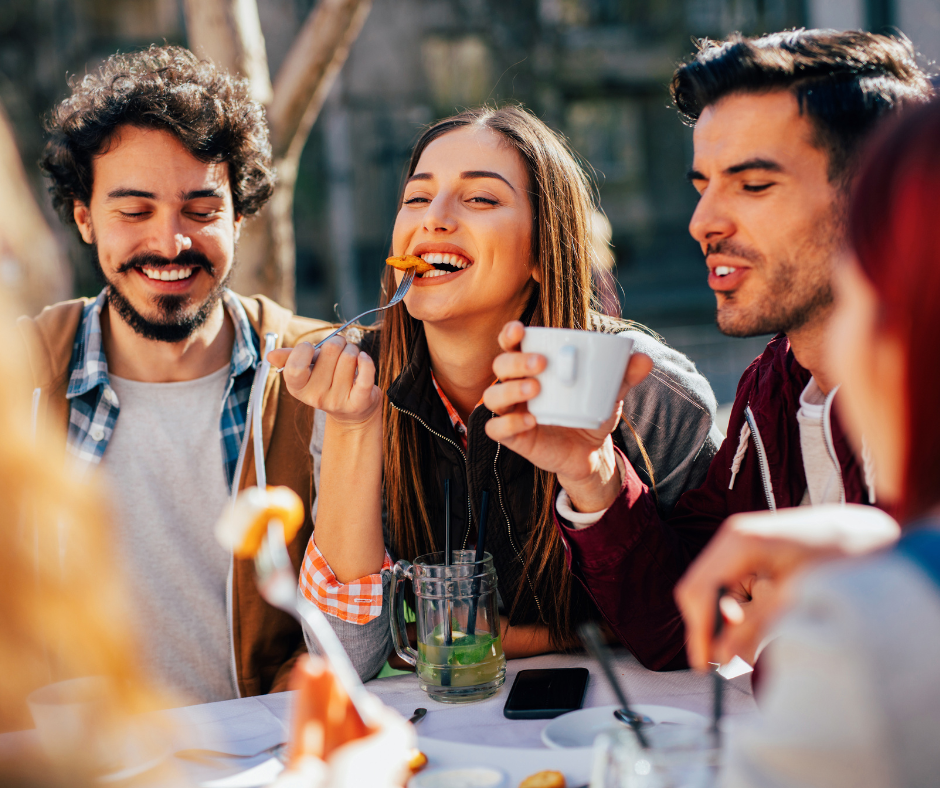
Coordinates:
[580,728]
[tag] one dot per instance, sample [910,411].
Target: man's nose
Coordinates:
[711,221]
[168,238]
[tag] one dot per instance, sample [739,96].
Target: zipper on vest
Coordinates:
[761,459]
[499,490]
[453,443]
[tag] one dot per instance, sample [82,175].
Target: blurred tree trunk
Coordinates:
[229,32]
[33,267]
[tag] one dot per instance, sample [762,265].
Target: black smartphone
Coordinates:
[544,694]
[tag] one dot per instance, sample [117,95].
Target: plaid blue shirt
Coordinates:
[94,406]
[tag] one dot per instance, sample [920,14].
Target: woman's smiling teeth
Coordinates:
[444,264]
[724,270]
[168,275]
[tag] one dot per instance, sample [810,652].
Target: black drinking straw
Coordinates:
[481,546]
[717,679]
[448,636]
[591,637]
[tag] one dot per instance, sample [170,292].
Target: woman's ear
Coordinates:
[537,273]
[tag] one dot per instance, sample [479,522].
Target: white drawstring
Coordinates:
[253,421]
[261,476]
[868,470]
[739,454]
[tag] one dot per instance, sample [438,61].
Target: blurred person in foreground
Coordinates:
[779,122]
[158,159]
[851,694]
[63,614]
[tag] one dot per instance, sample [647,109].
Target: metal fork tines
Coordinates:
[277,582]
[403,288]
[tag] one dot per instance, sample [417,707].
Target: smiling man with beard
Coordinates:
[158,158]
[779,123]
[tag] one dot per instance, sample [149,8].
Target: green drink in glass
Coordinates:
[456,660]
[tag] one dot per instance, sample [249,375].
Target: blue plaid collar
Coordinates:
[90,367]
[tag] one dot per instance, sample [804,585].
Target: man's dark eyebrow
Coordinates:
[471,174]
[118,193]
[767,165]
[201,193]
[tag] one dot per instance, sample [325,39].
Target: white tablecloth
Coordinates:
[451,735]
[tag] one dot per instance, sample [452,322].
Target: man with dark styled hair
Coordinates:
[779,124]
[158,158]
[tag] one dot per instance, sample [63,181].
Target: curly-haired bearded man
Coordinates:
[158,158]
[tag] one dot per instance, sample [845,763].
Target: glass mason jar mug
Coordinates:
[460,655]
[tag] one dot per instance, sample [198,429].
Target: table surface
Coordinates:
[451,735]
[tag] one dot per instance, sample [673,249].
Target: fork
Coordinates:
[277,582]
[403,288]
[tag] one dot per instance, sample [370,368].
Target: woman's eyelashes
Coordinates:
[476,200]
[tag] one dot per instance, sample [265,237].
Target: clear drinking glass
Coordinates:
[679,756]
[460,655]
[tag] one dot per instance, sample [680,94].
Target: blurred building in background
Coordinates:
[597,70]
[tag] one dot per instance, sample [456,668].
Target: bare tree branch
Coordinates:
[228,32]
[309,70]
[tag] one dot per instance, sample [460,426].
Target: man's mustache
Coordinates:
[190,258]
[729,248]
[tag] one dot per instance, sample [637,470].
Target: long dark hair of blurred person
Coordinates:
[892,228]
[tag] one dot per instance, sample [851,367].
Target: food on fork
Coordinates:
[243,527]
[406,261]
[544,780]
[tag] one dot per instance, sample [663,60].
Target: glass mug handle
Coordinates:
[401,572]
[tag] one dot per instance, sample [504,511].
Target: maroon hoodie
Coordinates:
[632,540]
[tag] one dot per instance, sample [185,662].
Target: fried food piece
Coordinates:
[242,528]
[417,760]
[544,780]
[407,261]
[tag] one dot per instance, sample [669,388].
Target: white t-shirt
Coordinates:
[165,468]
[823,475]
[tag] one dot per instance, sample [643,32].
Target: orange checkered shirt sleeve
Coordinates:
[357,602]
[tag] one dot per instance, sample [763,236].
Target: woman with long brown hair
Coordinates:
[498,203]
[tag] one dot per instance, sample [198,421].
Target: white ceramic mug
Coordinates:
[83,732]
[74,720]
[580,384]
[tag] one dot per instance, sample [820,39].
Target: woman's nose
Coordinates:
[439,218]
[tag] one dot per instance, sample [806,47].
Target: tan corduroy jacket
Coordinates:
[266,641]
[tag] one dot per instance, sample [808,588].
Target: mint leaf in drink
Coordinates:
[471,649]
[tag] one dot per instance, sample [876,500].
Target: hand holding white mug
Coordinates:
[582,459]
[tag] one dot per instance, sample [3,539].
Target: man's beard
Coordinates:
[175,323]
[796,292]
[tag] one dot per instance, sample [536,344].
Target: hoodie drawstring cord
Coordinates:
[868,471]
[739,454]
